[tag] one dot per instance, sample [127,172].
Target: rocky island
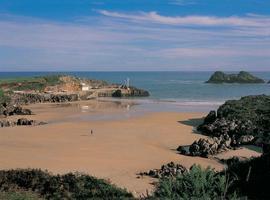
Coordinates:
[242,77]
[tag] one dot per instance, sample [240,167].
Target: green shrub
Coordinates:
[195,184]
[3,97]
[30,83]
[19,195]
[68,186]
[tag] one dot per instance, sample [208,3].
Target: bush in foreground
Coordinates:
[195,184]
[68,186]
[252,177]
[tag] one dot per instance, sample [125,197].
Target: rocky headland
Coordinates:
[15,93]
[235,123]
[242,77]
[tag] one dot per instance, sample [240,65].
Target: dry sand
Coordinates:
[117,150]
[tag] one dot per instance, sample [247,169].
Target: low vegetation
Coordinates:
[242,179]
[30,83]
[197,183]
[68,186]
[19,195]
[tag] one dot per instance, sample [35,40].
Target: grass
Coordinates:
[3,97]
[2,94]
[30,83]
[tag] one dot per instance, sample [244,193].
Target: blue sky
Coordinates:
[100,35]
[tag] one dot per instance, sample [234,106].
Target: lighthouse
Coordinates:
[127,82]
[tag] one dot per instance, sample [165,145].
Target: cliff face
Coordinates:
[241,77]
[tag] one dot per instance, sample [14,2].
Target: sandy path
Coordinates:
[117,150]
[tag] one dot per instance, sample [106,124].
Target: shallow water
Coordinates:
[172,91]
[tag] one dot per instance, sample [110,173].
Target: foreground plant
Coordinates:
[197,183]
[68,186]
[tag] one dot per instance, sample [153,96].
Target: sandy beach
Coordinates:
[121,146]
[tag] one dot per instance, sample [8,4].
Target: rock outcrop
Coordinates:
[8,110]
[20,122]
[248,116]
[207,147]
[129,92]
[30,98]
[169,170]
[242,77]
[236,122]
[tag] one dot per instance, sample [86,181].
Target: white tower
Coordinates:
[128,80]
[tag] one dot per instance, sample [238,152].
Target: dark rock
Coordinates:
[242,77]
[169,170]
[135,92]
[20,122]
[117,93]
[211,146]
[25,122]
[182,150]
[9,110]
[6,123]
[30,98]
[210,118]
[20,111]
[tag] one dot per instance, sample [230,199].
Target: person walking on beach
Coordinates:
[92,132]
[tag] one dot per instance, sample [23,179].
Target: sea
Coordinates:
[171,91]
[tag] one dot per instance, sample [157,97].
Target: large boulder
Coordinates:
[208,147]
[241,77]
[169,170]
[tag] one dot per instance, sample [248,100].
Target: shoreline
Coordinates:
[118,150]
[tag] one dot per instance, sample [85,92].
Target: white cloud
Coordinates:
[112,44]
[154,17]
[182,2]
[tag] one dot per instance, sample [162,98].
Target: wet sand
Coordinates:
[118,149]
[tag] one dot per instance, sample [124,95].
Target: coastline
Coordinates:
[118,149]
